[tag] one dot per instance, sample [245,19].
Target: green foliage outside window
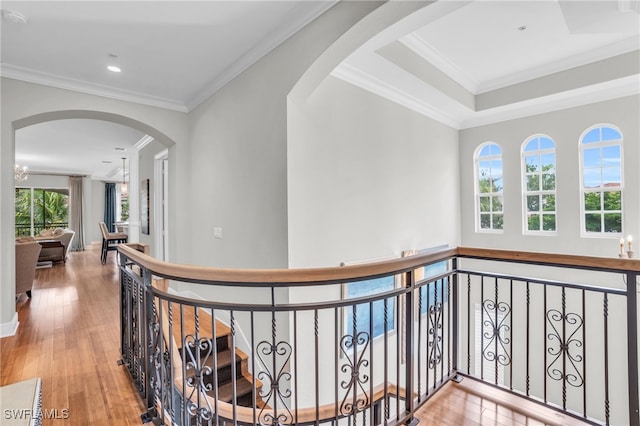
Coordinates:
[50,208]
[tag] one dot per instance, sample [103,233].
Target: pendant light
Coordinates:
[124,190]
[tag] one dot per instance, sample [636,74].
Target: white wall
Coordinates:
[565,128]
[23,104]
[367,178]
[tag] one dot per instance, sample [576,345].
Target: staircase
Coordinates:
[225,360]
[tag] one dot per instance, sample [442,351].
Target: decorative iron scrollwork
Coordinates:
[565,345]
[275,390]
[435,330]
[356,363]
[199,380]
[494,329]
[160,379]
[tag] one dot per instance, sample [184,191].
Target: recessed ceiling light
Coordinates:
[14,16]
[120,149]
[113,68]
[107,161]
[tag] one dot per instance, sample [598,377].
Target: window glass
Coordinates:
[601,185]
[539,184]
[489,186]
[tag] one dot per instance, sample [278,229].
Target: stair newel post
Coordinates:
[147,320]
[632,348]
[409,347]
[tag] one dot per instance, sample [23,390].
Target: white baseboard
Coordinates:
[9,328]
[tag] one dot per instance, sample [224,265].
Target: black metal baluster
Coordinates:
[454,314]
[511,335]
[436,335]
[449,342]
[419,343]
[544,341]
[254,387]
[234,372]
[528,348]
[632,348]
[409,409]
[386,361]
[371,369]
[317,361]
[469,324]
[426,343]
[481,328]
[214,349]
[441,322]
[497,337]
[564,352]
[185,409]
[337,340]
[584,355]
[605,310]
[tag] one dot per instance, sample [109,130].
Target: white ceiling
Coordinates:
[81,147]
[174,54]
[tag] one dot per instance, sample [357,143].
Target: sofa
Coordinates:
[27,253]
[55,254]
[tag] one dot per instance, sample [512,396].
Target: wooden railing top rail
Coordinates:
[329,275]
[553,259]
[284,277]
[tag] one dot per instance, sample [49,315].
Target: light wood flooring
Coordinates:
[69,336]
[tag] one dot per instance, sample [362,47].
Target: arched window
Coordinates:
[539,184]
[601,180]
[488,167]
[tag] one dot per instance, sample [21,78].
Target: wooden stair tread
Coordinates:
[243,387]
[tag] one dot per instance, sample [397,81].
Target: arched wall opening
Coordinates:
[25,104]
[355,161]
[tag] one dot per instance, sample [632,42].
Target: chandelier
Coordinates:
[20,174]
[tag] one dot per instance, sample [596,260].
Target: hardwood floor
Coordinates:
[471,403]
[69,336]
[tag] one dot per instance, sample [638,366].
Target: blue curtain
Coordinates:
[110,205]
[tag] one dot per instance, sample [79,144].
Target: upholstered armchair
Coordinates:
[26,259]
[55,254]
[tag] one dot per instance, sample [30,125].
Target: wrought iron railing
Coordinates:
[558,330]
[24,230]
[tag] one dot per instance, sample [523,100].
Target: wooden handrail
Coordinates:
[285,277]
[552,259]
[330,275]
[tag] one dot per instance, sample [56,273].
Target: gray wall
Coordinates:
[239,151]
[565,128]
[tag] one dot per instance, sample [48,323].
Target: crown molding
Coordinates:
[252,56]
[144,141]
[613,89]
[600,92]
[46,79]
[605,52]
[422,48]
[374,85]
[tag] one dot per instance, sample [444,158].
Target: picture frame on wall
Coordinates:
[144,206]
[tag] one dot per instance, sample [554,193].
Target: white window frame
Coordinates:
[476,185]
[581,147]
[540,192]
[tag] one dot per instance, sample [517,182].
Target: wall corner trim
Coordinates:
[9,328]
